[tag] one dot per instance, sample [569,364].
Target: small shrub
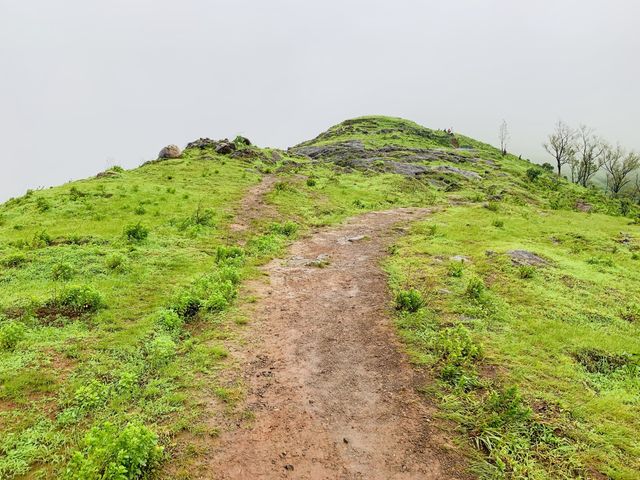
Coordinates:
[187,305]
[456,269]
[409,300]
[62,271]
[599,361]
[498,223]
[288,228]
[281,186]
[115,262]
[359,203]
[169,320]
[547,167]
[311,182]
[136,232]
[454,344]
[11,333]
[492,206]
[117,169]
[224,253]
[14,260]
[533,173]
[41,239]
[160,351]
[91,395]
[79,299]
[140,210]
[526,271]
[76,194]
[475,288]
[114,453]
[42,204]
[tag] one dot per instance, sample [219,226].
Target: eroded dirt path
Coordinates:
[332,393]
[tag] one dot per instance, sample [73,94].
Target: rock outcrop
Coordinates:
[170,151]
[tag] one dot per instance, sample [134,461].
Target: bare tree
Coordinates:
[561,145]
[589,156]
[619,164]
[504,137]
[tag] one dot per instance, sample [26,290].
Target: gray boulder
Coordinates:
[170,151]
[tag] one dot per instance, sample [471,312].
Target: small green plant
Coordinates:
[533,173]
[287,229]
[14,260]
[41,239]
[160,351]
[455,345]
[115,262]
[139,210]
[311,182]
[136,232]
[169,320]
[62,271]
[75,193]
[79,299]
[498,223]
[359,203]
[492,206]
[281,186]
[409,300]
[456,269]
[42,204]
[224,253]
[111,452]
[526,271]
[91,395]
[475,288]
[11,333]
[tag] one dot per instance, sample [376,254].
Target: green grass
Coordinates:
[118,294]
[533,324]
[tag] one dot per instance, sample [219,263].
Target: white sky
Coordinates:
[87,84]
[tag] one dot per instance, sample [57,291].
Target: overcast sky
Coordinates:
[88,84]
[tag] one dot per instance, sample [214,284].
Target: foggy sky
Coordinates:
[88,84]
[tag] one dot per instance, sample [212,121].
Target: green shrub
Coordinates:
[169,320]
[456,269]
[492,206]
[224,253]
[160,351]
[79,299]
[91,394]
[115,262]
[281,186]
[526,271]
[42,204]
[498,223]
[533,173]
[113,453]
[311,182]
[187,304]
[409,300]
[136,232]
[41,239]
[475,288]
[62,271]
[14,260]
[139,210]
[287,229]
[11,333]
[454,344]
[76,194]
[547,167]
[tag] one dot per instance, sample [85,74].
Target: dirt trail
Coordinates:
[332,393]
[253,207]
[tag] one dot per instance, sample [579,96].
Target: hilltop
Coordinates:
[384,298]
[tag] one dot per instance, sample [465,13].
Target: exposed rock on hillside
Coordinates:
[170,151]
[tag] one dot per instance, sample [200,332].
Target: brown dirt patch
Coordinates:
[331,393]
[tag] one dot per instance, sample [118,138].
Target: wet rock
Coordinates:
[524,257]
[170,151]
[225,146]
[202,143]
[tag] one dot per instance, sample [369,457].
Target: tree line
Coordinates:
[585,154]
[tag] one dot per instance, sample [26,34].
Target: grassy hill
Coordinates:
[120,295]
